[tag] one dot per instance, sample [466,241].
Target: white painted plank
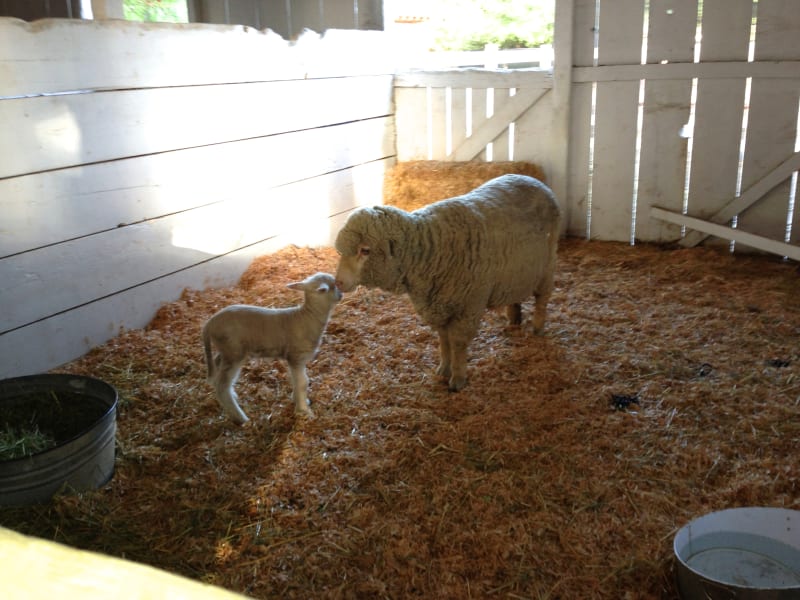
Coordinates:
[458,117]
[614,152]
[558,134]
[44,282]
[719,109]
[662,166]
[715,152]
[620,35]
[500,150]
[777,30]
[577,203]
[489,129]
[411,119]
[583,32]
[771,135]
[535,131]
[49,207]
[772,121]
[59,55]
[726,29]
[437,123]
[62,131]
[766,244]
[475,78]
[672,26]
[56,55]
[780,174]
[707,70]
[620,42]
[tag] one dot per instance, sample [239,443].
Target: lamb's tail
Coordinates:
[209,358]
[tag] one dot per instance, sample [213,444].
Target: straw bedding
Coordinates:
[667,386]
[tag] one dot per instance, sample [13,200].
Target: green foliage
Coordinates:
[170,11]
[471,24]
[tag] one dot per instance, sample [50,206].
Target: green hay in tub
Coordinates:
[21,442]
[38,421]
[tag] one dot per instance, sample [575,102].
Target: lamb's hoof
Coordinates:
[239,419]
[456,383]
[305,414]
[443,371]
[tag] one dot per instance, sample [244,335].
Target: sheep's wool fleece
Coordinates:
[490,247]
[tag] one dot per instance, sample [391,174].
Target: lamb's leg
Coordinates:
[225,379]
[444,353]
[297,371]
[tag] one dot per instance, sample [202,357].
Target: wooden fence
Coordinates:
[681,114]
[136,163]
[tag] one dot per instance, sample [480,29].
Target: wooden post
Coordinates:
[562,85]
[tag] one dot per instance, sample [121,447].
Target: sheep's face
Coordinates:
[368,245]
[348,274]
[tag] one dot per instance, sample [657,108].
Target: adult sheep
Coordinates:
[494,246]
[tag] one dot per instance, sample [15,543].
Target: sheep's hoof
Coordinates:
[456,383]
[443,371]
[514,314]
[306,414]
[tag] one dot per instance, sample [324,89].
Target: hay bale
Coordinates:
[411,185]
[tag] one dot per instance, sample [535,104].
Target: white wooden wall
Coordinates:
[633,76]
[137,160]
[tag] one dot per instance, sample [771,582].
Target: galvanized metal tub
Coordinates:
[83,457]
[750,553]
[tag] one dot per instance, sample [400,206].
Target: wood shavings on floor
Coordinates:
[666,386]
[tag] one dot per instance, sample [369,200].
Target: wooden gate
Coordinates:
[682,119]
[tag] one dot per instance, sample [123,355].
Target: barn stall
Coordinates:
[138,192]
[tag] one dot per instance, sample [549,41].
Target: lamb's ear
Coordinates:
[323,288]
[296,285]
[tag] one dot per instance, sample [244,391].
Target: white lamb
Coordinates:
[294,334]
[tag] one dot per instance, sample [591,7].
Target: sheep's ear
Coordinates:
[322,288]
[296,285]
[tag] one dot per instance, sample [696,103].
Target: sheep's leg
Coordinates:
[540,313]
[444,353]
[227,374]
[459,334]
[514,313]
[297,371]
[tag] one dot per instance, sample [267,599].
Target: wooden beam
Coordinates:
[728,233]
[496,124]
[749,197]
[562,89]
[476,78]
[784,69]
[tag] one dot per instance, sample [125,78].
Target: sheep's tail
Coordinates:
[209,358]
